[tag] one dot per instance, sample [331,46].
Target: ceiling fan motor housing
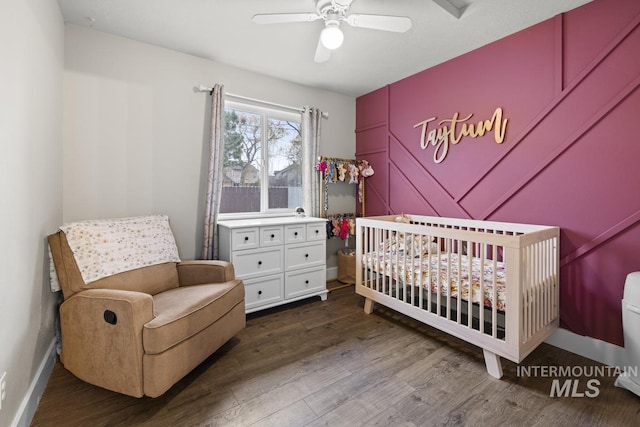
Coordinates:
[341,3]
[326,8]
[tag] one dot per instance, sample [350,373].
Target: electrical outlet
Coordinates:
[3,388]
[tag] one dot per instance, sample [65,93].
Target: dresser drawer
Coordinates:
[305,255]
[257,262]
[305,281]
[295,233]
[317,231]
[271,236]
[245,238]
[259,292]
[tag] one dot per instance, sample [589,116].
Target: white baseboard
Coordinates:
[31,400]
[591,348]
[332,273]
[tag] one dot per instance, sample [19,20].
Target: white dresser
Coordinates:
[280,260]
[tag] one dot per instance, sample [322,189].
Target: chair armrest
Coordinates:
[200,272]
[102,348]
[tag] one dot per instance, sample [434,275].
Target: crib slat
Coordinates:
[379,236]
[529,295]
[376,260]
[448,282]
[483,256]
[430,277]
[379,263]
[547,283]
[419,290]
[460,290]
[399,263]
[528,303]
[536,279]
[470,255]
[494,304]
[366,252]
[411,267]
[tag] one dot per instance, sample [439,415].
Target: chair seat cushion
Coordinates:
[182,312]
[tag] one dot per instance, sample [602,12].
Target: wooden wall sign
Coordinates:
[451,132]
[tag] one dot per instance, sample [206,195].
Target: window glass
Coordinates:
[285,174]
[262,160]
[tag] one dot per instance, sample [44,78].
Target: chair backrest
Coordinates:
[150,279]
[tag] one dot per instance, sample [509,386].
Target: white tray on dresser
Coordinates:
[280,260]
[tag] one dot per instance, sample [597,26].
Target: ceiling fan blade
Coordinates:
[398,24]
[281,18]
[322,53]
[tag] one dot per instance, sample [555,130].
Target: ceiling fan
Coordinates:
[333,12]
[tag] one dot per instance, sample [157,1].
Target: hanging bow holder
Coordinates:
[335,170]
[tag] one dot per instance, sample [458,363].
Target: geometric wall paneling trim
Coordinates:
[584,102]
[551,133]
[562,146]
[604,237]
[372,140]
[586,34]
[569,157]
[584,308]
[598,223]
[375,205]
[371,109]
[430,190]
[560,79]
[614,201]
[378,183]
[410,200]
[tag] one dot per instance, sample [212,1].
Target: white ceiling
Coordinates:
[222,31]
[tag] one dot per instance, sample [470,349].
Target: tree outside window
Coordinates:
[262,160]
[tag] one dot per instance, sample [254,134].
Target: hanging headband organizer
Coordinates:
[335,169]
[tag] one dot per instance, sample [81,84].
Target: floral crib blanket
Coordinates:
[449,272]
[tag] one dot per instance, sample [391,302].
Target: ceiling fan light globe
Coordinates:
[332,37]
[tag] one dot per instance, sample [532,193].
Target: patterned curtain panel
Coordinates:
[214,177]
[310,152]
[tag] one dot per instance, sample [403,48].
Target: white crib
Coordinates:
[492,284]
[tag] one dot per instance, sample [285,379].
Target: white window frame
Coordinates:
[265,112]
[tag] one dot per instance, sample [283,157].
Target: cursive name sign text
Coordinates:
[454,129]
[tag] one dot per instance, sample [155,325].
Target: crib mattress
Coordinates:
[448,272]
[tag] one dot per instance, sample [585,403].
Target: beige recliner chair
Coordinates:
[139,331]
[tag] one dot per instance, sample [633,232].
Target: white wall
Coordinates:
[31,51]
[135,130]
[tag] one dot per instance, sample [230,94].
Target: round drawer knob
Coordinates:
[317,231]
[306,255]
[246,238]
[259,292]
[295,234]
[273,235]
[259,262]
[306,282]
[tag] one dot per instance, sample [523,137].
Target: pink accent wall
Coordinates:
[571,156]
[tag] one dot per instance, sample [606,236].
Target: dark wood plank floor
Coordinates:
[318,363]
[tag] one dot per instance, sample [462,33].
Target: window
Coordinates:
[262,160]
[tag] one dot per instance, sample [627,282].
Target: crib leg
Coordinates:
[368,306]
[492,360]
